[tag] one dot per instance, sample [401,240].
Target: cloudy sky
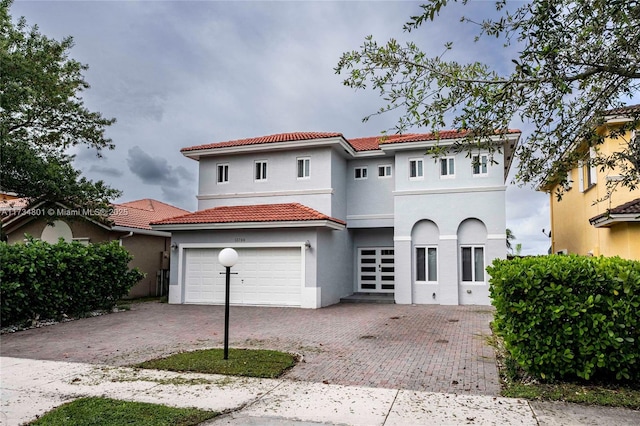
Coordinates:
[182,73]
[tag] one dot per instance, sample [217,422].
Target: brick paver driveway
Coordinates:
[426,347]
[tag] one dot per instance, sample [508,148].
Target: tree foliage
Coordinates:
[575,61]
[510,237]
[43,115]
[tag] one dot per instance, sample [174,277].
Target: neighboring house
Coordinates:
[316,217]
[582,222]
[127,223]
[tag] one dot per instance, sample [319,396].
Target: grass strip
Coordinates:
[242,362]
[96,411]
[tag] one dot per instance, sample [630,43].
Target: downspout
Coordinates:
[130,234]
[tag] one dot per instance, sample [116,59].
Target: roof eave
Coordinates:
[270,146]
[321,223]
[391,146]
[141,231]
[614,219]
[396,146]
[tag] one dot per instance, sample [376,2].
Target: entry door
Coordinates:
[376,270]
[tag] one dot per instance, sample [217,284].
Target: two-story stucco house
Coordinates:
[594,218]
[316,217]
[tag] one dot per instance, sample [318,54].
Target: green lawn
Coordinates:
[241,362]
[609,395]
[109,412]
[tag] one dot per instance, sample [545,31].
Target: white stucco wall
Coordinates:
[370,200]
[281,185]
[391,211]
[334,272]
[447,211]
[327,274]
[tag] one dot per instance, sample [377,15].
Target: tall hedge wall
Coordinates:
[42,280]
[569,316]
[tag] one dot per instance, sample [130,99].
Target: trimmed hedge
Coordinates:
[569,316]
[47,281]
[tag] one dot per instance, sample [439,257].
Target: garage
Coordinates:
[262,276]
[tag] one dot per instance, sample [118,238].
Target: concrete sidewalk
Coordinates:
[32,387]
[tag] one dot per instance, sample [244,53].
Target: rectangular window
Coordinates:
[587,174]
[447,167]
[416,168]
[384,170]
[427,264]
[360,172]
[303,168]
[223,173]
[473,264]
[261,170]
[480,165]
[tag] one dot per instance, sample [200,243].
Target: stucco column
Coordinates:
[496,249]
[402,253]
[175,287]
[448,267]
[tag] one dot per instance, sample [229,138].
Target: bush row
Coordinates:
[569,316]
[47,281]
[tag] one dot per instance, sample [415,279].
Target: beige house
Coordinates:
[128,223]
[593,217]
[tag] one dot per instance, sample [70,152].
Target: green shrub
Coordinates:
[569,316]
[42,280]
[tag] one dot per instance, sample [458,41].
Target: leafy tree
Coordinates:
[518,249]
[42,115]
[575,61]
[510,237]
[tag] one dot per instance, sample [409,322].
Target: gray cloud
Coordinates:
[156,170]
[108,171]
[177,74]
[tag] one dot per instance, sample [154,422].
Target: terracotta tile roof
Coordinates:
[441,135]
[369,143]
[8,203]
[627,109]
[255,213]
[140,213]
[372,143]
[281,137]
[632,207]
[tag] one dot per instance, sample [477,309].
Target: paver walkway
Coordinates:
[425,347]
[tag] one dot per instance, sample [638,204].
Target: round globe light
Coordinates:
[228,257]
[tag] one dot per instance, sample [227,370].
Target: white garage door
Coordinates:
[265,276]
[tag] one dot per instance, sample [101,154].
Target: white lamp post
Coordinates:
[227,258]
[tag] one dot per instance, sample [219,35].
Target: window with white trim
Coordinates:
[360,173]
[472,263]
[223,173]
[260,170]
[447,167]
[384,170]
[587,174]
[426,264]
[480,167]
[303,167]
[416,168]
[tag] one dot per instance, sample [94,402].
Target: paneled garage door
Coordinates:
[265,276]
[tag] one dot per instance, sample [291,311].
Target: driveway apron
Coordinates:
[415,347]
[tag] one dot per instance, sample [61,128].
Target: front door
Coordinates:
[376,271]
